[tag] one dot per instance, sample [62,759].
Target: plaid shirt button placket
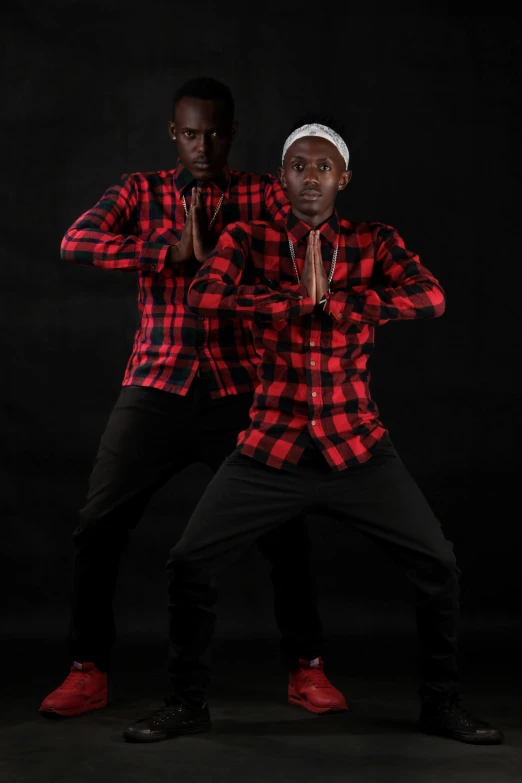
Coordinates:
[132,228]
[313,377]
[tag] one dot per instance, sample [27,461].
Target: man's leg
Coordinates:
[136,456]
[244,500]
[381,499]
[288,551]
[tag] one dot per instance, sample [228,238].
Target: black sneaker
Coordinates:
[449,719]
[169,721]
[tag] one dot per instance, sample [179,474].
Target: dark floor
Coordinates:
[256,735]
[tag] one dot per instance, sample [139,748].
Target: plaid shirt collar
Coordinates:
[298,230]
[184,180]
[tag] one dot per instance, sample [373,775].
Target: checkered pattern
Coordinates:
[131,228]
[313,379]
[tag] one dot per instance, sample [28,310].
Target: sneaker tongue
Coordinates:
[82,666]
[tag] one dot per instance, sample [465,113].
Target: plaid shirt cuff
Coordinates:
[153,256]
[339,312]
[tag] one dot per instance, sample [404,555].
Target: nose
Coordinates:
[203,142]
[311,175]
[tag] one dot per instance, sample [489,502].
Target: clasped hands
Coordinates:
[314,276]
[197,241]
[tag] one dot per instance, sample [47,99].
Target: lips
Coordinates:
[311,195]
[202,164]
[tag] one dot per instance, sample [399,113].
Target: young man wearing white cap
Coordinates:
[313,288]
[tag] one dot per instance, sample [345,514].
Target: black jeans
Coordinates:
[247,499]
[150,436]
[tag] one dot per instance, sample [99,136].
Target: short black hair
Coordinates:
[207,89]
[321,119]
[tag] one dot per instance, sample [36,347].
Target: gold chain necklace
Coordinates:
[214,216]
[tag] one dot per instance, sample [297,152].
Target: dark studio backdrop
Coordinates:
[431,111]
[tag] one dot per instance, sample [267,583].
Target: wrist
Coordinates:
[175,255]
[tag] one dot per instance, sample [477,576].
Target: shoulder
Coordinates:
[249,179]
[252,230]
[371,231]
[151,180]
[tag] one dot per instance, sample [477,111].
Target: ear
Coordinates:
[282,178]
[345,178]
[172,129]
[235,126]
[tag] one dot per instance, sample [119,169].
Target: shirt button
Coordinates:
[313,423]
[312,363]
[312,343]
[339,315]
[314,394]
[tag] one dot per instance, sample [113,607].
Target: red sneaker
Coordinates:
[84,689]
[310,688]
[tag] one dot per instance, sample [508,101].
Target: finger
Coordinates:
[319,256]
[316,247]
[189,223]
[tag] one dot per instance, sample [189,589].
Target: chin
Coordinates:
[309,208]
[203,176]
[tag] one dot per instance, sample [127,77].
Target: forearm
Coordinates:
[415,299]
[107,236]
[84,244]
[212,297]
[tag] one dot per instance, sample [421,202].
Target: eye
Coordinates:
[297,166]
[214,135]
[189,134]
[325,167]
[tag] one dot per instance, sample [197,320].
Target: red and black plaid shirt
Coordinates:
[132,227]
[313,381]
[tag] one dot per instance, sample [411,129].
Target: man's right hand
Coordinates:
[184,251]
[308,276]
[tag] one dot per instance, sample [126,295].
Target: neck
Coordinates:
[313,220]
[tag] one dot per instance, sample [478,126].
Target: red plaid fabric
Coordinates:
[131,228]
[313,380]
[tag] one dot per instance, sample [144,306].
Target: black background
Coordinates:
[431,110]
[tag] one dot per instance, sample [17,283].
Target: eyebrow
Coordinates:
[319,160]
[199,130]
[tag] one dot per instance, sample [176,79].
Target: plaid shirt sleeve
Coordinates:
[402,288]
[104,236]
[276,202]
[217,290]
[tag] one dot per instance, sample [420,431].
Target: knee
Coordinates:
[447,560]
[188,579]
[182,561]
[96,530]
[444,568]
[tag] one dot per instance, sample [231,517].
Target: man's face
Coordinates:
[204,133]
[313,173]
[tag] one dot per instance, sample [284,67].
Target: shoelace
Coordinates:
[319,678]
[165,712]
[455,710]
[73,680]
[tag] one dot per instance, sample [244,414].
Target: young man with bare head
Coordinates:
[186,392]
